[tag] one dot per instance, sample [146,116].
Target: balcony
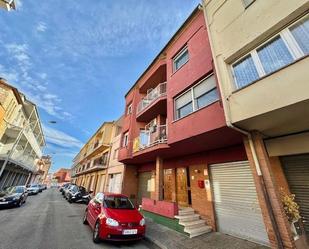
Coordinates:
[152,104]
[95,167]
[19,159]
[151,137]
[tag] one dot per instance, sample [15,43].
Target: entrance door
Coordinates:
[296,169]
[114,183]
[90,183]
[143,179]
[168,184]
[236,205]
[182,186]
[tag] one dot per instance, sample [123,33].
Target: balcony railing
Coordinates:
[147,138]
[24,160]
[151,96]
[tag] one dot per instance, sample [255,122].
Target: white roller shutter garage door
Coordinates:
[236,205]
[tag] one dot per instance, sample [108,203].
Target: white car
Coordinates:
[33,189]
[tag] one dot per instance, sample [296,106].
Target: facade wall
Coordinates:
[271,206]
[266,104]
[130,182]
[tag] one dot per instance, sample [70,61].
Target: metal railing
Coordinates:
[151,96]
[147,138]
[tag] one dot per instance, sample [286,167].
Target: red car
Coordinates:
[114,217]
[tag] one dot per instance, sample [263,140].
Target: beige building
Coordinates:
[96,166]
[115,169]
[21,136]
[42,168]
[260,51]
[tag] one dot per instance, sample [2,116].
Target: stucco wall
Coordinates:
[235,31]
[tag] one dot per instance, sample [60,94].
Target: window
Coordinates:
[202,94]
[245,72]
[99,197]
[118,202]
[180,59]
[184,105]
[205,93]
[104,158]
[300,32]
[247,3]
[115,155]
[125,139]
[274,55]
[289,45]
[129,109]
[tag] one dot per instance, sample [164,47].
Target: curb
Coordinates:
[155,242]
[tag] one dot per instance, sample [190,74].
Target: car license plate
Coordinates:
[129,231]
[4,202]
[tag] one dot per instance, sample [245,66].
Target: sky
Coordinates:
[77,59]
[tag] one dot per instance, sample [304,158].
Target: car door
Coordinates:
[25,194]
[94,209]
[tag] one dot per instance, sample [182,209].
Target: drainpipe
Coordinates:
[227,113]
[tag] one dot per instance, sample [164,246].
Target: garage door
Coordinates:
[296,170]
[143,179]
[237,209]
[115,184]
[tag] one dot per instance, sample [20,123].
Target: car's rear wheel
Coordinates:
[96,232]
[85,221]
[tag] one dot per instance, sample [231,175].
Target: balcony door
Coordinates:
[144,138]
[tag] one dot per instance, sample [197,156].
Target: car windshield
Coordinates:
[34,186]
[9,190]
[118,202]
[19,189]
[74,188]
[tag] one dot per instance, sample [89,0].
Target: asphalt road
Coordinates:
[48,221]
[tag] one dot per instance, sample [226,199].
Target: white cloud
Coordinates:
[41,27]
[33,85]
[19,4]
[116,29]
[20,53]
[60,138]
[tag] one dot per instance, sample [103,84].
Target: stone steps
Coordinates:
[190,217]
[193,232]
[193,224]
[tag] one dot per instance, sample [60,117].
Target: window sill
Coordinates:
[175,120]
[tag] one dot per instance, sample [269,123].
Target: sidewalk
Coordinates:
[166,238]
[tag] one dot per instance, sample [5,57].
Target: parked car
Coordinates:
[44,186]
[79,194]
[33,189]
[13,196]
[63,187]
[114,217]
[41,186]
[67,189]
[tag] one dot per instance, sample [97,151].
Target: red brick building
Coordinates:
[62,175]
[181,158]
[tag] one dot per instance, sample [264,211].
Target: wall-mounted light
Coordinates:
[197,171]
